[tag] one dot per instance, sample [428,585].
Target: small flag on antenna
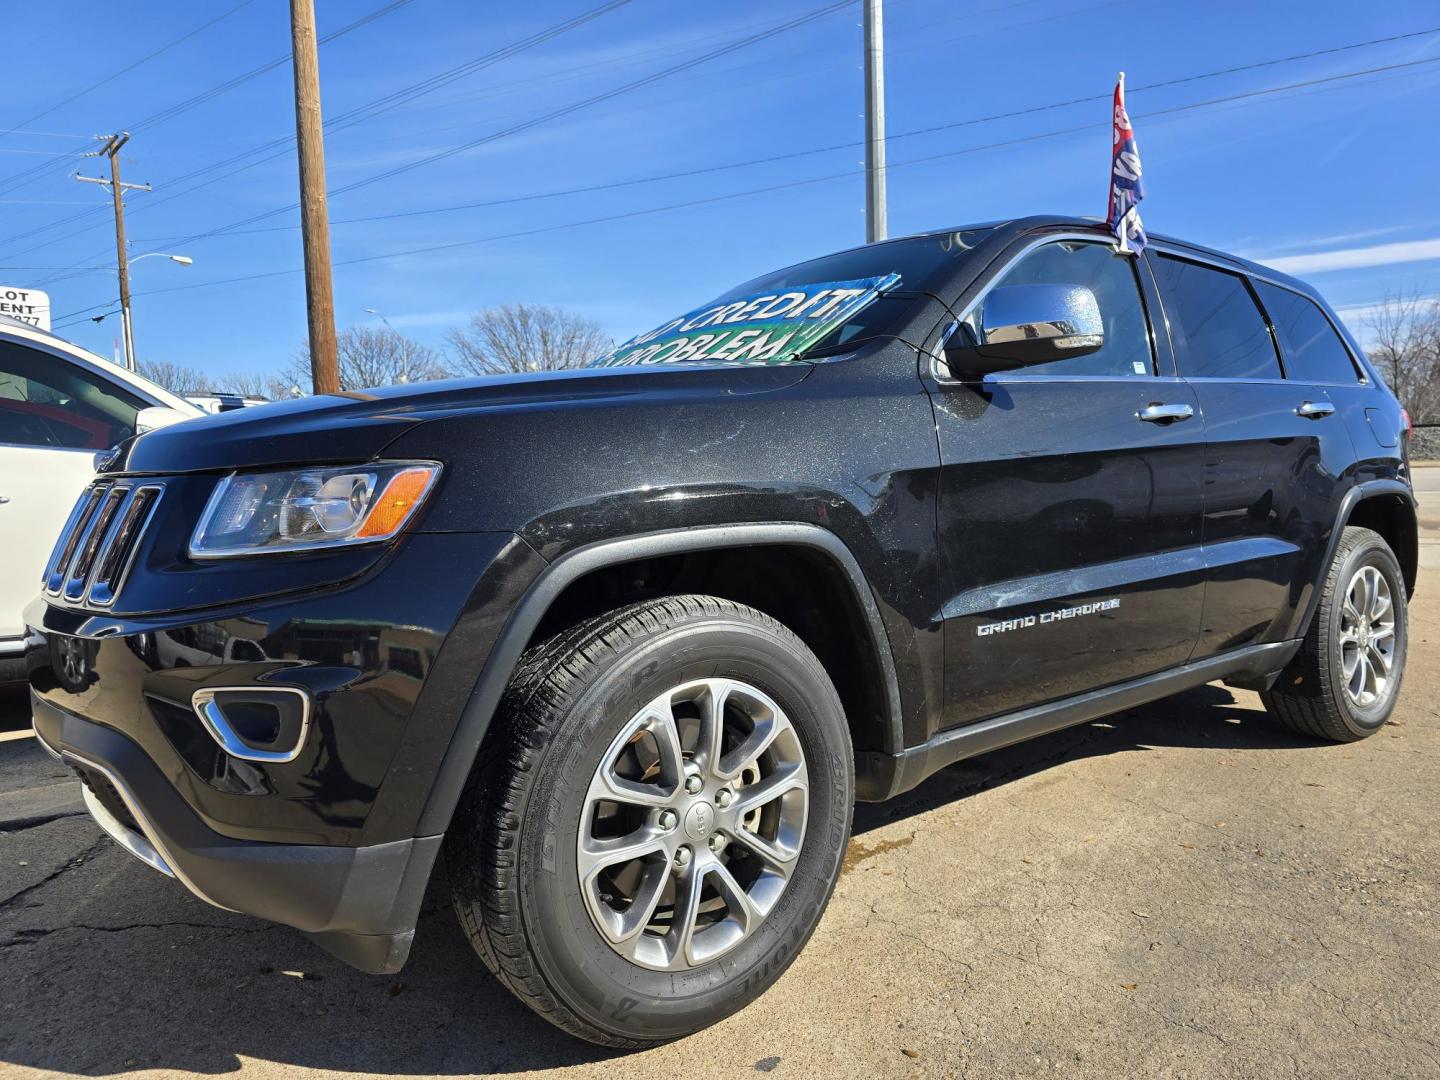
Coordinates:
[1126,186]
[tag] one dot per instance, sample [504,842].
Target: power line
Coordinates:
[279,147]
[10,183]
[131,67]
[360,113]
[172,111]
[38,153]
[70,318]
[43,134]
[368,110]
[812,151]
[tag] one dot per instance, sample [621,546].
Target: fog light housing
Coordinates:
[268,725]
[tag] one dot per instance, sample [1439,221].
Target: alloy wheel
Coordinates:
[692,824]
[1367,637]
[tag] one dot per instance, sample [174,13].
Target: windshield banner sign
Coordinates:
[764,328]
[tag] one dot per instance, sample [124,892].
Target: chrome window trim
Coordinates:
[213,718]
[941,374]
[1364,379]
[1184,254]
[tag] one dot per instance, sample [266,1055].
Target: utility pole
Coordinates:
[111,149]
[875,224]
[314,218]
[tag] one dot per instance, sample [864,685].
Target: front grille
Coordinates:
[99,541]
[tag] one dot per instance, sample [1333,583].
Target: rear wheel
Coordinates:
[658,820]
[1344,682]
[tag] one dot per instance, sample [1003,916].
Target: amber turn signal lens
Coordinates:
[397,502]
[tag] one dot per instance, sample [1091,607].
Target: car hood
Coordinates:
[357,425]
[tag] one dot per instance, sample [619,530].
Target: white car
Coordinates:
[60,407]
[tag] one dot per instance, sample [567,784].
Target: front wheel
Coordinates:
[658,821]
[1344,682]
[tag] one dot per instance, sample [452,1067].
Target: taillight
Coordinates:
[1405,424]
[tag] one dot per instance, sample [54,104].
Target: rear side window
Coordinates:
[1312,349]
[1217,330]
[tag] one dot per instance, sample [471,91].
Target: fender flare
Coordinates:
[475,719]
[1351,499]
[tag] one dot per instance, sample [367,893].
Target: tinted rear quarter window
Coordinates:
[1313,350]
[1217,330]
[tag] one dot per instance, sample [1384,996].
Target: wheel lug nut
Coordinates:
[693,784]
[717,843]
[682,857]
[725,798]
[668,819]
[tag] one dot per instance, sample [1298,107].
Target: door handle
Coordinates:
[1315,410]
[1158,413]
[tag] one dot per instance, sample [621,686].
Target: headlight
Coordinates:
[304,509]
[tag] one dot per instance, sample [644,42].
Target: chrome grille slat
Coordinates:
[77,527]
[118,548]
[94,552]
[96,530]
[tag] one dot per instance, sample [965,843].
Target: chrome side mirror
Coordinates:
[1027,324]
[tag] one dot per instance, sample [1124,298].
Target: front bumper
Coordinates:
[361,903]
[326,839]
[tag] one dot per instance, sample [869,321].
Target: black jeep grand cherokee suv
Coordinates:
[628,642]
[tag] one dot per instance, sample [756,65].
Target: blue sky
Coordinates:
[1335,182]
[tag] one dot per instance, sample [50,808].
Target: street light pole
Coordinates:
[876,226]
[404,346]
[125,323]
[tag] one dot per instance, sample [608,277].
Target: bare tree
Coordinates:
[177,378]
[254,384]
[526,337]
[190,382]
[1404,336]
[373,356]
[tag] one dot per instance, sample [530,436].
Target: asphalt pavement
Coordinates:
[1180,890]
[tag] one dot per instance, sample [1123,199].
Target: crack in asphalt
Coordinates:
[100,843]
[30,937]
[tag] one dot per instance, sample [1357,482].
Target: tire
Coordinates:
[1315,694]
[514,849]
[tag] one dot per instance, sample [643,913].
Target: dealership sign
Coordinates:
[28,305]
[760,328]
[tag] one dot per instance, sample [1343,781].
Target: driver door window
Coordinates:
[1111,277]
[51,403]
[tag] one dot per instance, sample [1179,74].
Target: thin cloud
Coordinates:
[1357,316]
[1357,258]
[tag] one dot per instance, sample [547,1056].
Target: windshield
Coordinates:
[805,311]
